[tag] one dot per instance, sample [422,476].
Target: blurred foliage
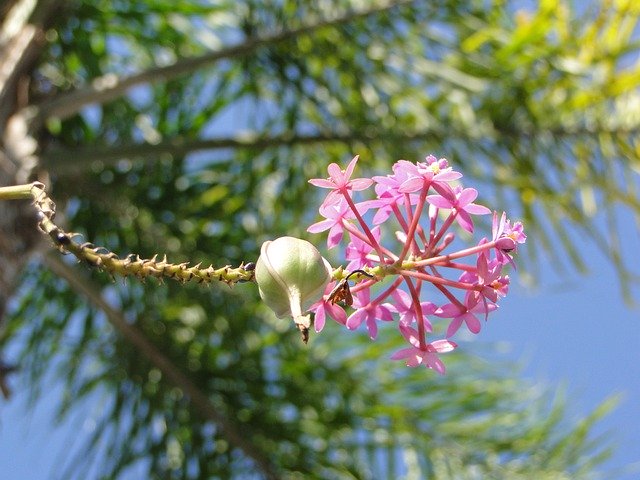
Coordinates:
[538,106]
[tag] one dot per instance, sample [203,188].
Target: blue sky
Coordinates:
[576,331]
[573,332]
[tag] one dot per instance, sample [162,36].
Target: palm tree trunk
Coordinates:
[22,39]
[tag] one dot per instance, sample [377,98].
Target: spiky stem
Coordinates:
[104,259]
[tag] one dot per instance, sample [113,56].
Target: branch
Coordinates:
[71,161]
[108,261]
[21,39]
[199,400]
[110,86]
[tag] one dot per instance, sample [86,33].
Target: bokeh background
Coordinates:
[192,129]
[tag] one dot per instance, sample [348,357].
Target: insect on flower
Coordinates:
[341,292]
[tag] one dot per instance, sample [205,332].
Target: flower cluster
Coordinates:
[422,201]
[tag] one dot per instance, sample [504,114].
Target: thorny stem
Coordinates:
[102,258]
[133,265]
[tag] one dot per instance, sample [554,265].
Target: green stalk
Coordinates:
[17,192]
[102,258]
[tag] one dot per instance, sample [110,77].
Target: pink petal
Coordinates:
[362,297]
[443,346]
[428,308]
[336,174]
[410,334]
[337,313]
[322,183]
[335,235]
[320,226]
[506,243]
[382,215]
[448,311]
[402,301]
[464,220]
[498,227]
[447,176]
[454,326]
[383,312]
[427,324]
[473,324]
[436,364]
[319,320]
[439,201]
[372,327]
[467,196]
[412,185]
[355,319]
[414,360]
[358,184]
[475,209]
[352,165]
[403,353]
[334,197]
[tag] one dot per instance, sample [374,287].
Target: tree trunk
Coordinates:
[22,39]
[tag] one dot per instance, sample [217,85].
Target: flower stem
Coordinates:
[436,280]
[415,296]
[380,249]
[365,228]
[452,256]
[414,222]
[19,192]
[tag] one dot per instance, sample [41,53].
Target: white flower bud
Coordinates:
[291,276]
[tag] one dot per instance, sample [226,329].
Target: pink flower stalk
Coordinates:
[410,202]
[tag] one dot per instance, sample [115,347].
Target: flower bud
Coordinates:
[291,276]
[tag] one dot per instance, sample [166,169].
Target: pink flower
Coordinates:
[427,355]
[335,214]
[487,278]
[403,305]
[340,182]
[368,312]
[324,309]
[506,237]
[431,173]
[461,202]
[388,193]
[466,313]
